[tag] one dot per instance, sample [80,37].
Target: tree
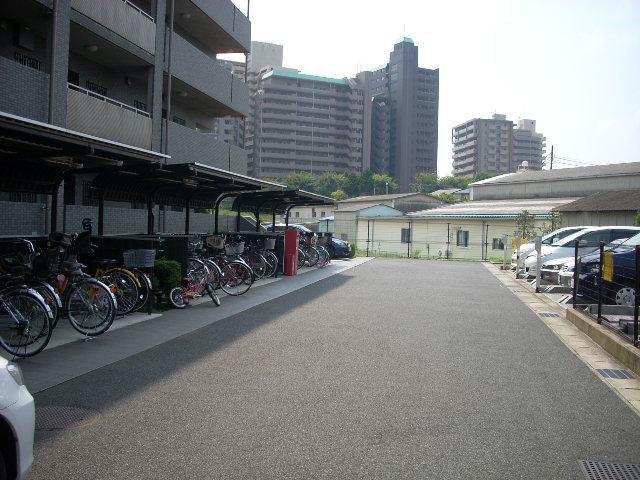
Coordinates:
[329,182]
[483,176]
[526,224]
[366,183]
[638,218]
[425,183]
[338,195]
[447,197]
[302,180]
[555,222]
[453,182]
[382,181]
[351,185]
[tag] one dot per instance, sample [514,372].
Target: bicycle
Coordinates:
[195,285]
[25,319]
[235,275]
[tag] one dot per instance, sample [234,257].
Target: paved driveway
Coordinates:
[393,369]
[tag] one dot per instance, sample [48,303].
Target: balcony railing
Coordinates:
[123,18]
[105,117]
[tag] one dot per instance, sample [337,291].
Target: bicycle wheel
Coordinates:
[177,297]
[50,297]
[214,296]
[256,263]
[214,274]
[302,258]
[199,273]
[91,307]
[144,292]
[312,256]
[271,260]
[25,323]
[236,278]
[323,258]
[124,286]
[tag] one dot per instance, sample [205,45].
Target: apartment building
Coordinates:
[138,72]
[305,123]
[403,138]
[495,145]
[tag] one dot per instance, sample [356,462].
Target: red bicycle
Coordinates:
[195,284]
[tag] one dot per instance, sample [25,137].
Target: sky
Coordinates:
[573,66]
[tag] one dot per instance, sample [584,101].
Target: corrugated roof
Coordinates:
[620,201]
[495,208]
[378,198]
[359,206]
[632,168]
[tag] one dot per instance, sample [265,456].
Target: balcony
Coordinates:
[227,95]
[24,90]
[105,117]
[216,24]
[123,18]
[189,145]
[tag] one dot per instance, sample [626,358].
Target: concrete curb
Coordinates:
[625,353]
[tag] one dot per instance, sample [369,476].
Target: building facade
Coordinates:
[495,145]
[141,72]
[305,123]
[403,133]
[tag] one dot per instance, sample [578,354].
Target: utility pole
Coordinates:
[551,166]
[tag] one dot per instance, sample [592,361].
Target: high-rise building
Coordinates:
[527,145]
[305,123]
[404,115]
[264,54]
[494,145]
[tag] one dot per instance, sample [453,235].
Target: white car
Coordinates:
[548,239]
[17,423]
[588,240]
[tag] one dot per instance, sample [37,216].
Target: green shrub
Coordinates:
[167,274]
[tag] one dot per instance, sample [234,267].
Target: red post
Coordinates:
[291,238]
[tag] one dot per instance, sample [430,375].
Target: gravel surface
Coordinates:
[393,369]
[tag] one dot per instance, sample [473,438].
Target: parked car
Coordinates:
[548,239]
[17,423]
[620,291]
[588,240]
[552,269]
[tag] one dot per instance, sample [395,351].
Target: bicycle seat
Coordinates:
[105,262]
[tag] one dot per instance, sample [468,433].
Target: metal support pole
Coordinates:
[258,220]
[150,222]
[446,253]
[273,219]
[409,242]
[576,267]
[101,212]
[187,216]
[538,242]
[504,251]
[53,223]
[600,282]
[368,226]
[169,73]
[636,303]
[217,208]
[238,220]
[517,257]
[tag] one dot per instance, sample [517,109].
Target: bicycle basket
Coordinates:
[139,258]
[234,248]
[215,241]
[47,263]
[269,243]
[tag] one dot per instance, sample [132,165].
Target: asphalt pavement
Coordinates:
[392,369]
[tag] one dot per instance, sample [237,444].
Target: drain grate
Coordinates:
[610,373]
[56,417]
[609,471]
[548,314]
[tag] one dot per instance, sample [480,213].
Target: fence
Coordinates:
[606,285]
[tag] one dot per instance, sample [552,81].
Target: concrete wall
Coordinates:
[23,90]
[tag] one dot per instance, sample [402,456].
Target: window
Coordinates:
[498,244]
[462,238]
[313,213]
[405,235]
[297,214]
[323,214]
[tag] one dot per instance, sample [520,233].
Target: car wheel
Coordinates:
[3,467]
[625,296]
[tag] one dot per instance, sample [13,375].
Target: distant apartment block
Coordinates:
[495,145]
[305,123]
[401,116]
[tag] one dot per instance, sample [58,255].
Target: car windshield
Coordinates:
[567,240]
[629,243]
[559,235]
